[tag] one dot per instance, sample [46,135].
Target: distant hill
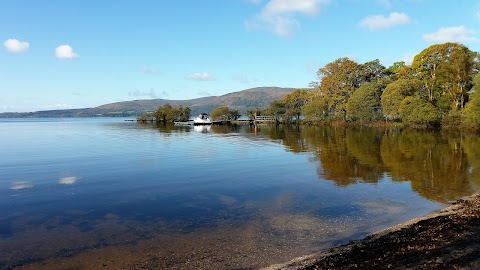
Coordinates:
[259,97]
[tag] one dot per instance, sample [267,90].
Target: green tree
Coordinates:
[252,112]
[223,113]
[373,70]
[458,74]
[145,117]
[446,69]
[167,113]
[316,110]
[276,109]
[162,112]
[425,66]
[472,109]
[364,104]
[295,101]
[395,93]
[183,114]
[414,110]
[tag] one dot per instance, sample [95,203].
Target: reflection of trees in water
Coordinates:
[440,167]
[347,155]
[471,145]
[290,136]
[165,129]
[434,163]
[294,139]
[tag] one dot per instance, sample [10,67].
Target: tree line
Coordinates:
[170,114]
[167,113]
[440,88]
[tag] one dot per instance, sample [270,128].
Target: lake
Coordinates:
[113,194]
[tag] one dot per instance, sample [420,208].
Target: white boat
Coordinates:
[202,119]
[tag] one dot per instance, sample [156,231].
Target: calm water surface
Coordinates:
[109,193]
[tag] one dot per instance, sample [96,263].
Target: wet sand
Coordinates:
[448,239]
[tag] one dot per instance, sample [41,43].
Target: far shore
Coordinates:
[447,239]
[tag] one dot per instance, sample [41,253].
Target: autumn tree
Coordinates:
[338,81]
[398,70]
[295,101]
[340,78]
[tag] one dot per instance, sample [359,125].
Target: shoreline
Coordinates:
[448,238]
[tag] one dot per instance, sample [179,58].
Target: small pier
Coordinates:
[263,119]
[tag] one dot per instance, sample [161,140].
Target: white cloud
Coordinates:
[201,76]
[378,22]
[15,45]
[278,16]
[280,25]
[451,34]
[280,7]
[65,52]
[68,180]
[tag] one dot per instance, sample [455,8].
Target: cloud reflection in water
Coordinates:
[21,185]
[68,180]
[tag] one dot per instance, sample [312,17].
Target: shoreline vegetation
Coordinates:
[446,239]
[439,90]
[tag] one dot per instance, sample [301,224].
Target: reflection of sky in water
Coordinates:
[140,185]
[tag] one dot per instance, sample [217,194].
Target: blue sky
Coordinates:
[81,53]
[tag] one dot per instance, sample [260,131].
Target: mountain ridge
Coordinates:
[258,97]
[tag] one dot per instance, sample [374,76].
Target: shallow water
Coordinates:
[85,193]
